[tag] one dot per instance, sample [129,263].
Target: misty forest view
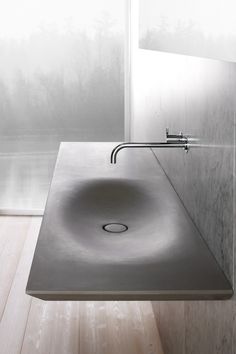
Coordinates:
[63,85]
[56,86]
[186,38]
[198,28]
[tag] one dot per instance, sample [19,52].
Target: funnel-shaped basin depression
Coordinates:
[134,207]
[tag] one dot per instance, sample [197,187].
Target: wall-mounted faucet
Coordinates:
[172,141]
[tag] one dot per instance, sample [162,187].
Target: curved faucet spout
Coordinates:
[183,145]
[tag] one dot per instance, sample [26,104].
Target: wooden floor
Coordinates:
[32,326]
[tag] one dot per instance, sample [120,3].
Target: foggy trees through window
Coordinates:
[64,81]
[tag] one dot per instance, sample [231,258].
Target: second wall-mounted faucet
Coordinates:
[173,141]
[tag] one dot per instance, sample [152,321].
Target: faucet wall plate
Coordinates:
[183,138]
[161,255]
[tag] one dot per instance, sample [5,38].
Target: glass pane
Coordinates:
[201,28]
[61,79]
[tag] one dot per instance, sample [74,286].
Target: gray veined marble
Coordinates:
[160,255]
[196,96]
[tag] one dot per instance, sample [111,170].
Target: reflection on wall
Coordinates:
[61,79]
[199,28]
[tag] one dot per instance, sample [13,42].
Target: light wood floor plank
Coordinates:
[66,328]
[37,338]
[87,332]
[121,333]
[9,258]
[91,328]
[52,327]
[12,326]
[4,222]
[152,340]
[101,325]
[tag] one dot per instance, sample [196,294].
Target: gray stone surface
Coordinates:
[161,255]
[208,327]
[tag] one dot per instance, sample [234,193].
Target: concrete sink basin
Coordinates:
[119,232]
[116,220]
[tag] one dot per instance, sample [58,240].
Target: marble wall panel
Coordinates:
[195,96]
[198,97]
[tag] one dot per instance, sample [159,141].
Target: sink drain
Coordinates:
[115,228]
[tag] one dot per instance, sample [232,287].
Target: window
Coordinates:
[61,79]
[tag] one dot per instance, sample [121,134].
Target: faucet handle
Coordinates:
[173,138]
[167,134]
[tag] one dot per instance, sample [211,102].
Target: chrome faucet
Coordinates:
[172,141]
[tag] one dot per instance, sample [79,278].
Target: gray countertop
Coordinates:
[161,256]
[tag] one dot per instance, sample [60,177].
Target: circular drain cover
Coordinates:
[115,228]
